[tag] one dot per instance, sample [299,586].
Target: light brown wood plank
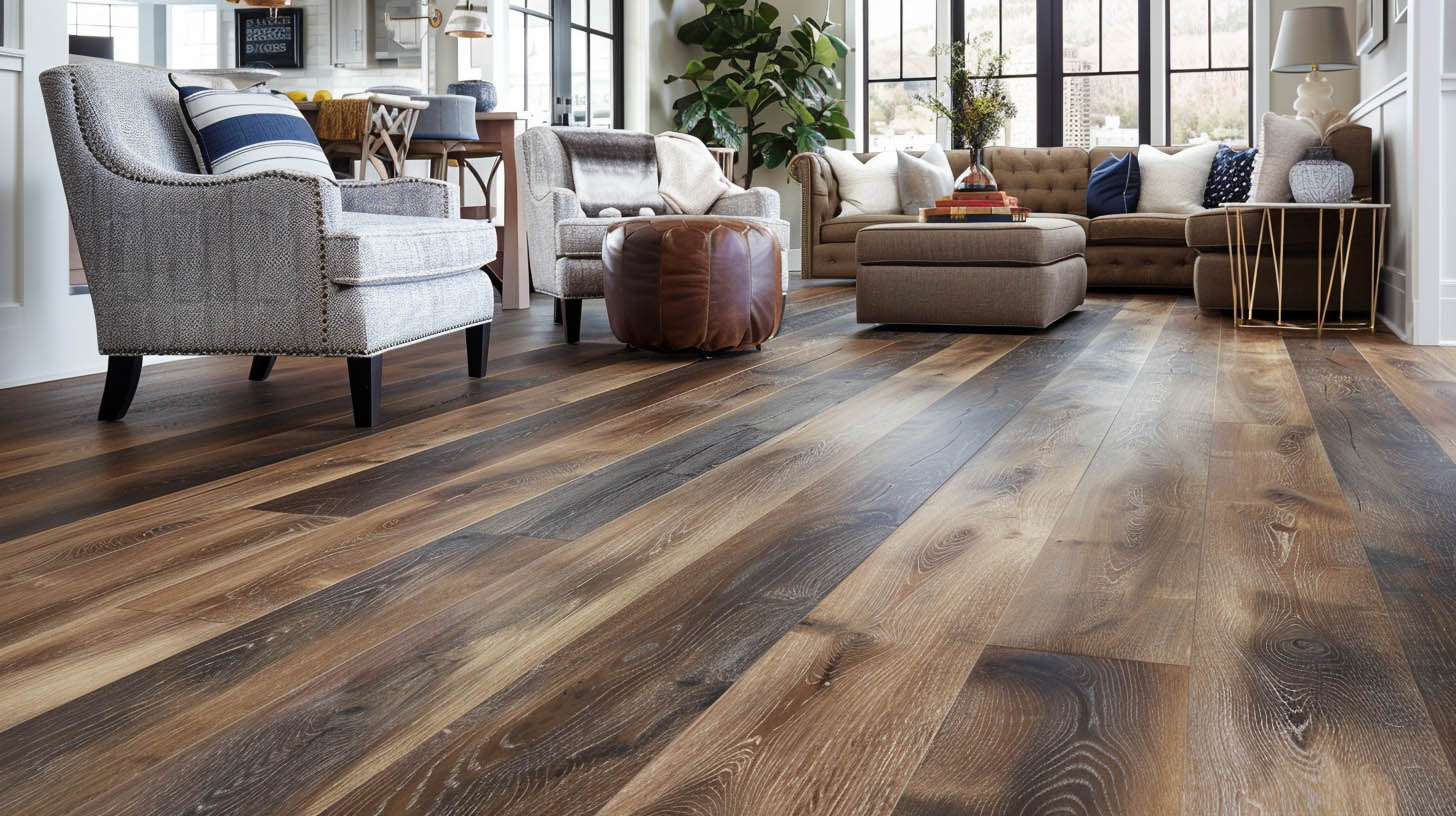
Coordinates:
[1035,732]
[878,662]
[1256,380]
[1426,387]
[1300,697]
[1119,574]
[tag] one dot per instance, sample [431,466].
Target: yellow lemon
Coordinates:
[320,96]
[298,96]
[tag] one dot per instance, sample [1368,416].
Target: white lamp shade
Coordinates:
[1313,36]
[469,22]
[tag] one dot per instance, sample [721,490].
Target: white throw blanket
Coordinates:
[689,178]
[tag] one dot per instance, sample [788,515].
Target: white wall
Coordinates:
[45,332]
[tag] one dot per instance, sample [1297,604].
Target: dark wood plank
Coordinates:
[1118,576]
[1300,698]
[1425,386]
[1400,484]
[1034,732]
[564,738]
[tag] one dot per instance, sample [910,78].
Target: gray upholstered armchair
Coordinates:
[257,264]
[564,245]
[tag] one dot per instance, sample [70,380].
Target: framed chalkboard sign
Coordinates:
[269,38]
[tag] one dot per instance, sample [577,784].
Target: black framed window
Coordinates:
[1079,70]
[1010,26]
[1105,85]
[1209,44]
[595,63]
[564,61]
[898,66]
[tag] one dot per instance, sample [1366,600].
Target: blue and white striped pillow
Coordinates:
[250,131]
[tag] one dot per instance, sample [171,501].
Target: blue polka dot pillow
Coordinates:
[1230,177]
[249,131]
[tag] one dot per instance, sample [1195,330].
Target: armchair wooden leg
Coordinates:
[364,382]
[571,314]
[122,375]
[477,348]
[556,311]
[262,367]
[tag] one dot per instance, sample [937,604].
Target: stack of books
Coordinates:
[974,208]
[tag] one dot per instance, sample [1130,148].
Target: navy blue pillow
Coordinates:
[1114,186]
[1230,177]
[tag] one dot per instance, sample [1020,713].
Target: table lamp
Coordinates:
[1314,39]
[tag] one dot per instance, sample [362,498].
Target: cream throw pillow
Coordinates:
[865,188]
[923,180]
[1173,182]
[1282,142]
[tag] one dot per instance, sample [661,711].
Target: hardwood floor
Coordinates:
[1138,563]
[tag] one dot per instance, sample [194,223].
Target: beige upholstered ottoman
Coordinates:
[1026,274]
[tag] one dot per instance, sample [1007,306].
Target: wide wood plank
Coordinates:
[1256,380]
[567,736]
[1118,576]
[879,662]
[1400,483]
[1300,697]
[1426,387]
[1035,732]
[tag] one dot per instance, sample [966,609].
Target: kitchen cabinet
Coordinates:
[351,36]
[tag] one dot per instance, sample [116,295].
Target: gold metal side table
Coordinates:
[1244,268]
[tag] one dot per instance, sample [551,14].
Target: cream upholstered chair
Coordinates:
[257,264]
[565,245]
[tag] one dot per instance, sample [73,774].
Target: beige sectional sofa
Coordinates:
[1151,251]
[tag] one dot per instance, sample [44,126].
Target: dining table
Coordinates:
[496,133]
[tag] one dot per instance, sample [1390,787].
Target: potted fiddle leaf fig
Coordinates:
[751,76]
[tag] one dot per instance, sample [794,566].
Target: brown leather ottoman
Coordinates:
[1027,274]
[674,283]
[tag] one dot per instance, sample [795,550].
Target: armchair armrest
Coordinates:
[178,261]
[759,202]
[564,204]
[427,198]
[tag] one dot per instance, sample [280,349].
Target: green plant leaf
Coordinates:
[767,13]
[726,132]
[689,117]
[824,51]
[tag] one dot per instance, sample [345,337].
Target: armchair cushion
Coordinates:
[367,249]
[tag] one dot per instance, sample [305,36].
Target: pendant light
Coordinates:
[468,21]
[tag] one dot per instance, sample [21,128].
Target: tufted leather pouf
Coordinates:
[674,283]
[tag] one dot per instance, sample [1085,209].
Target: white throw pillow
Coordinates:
[1173,182]
[865,188]
[1282,142]
[923,180]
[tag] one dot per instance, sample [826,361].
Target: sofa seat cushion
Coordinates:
[369,249]
[1080,220]
[1035,242]
[1138,228]
[843,229]
[582,237]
